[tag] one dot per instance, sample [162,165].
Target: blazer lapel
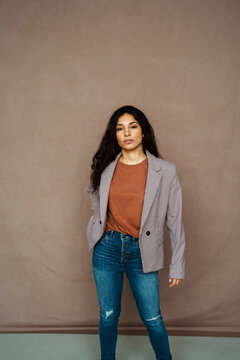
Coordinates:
[152,183]
[153,179]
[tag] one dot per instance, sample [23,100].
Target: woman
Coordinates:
[133,191]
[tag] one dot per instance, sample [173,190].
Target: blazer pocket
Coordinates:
[160,237]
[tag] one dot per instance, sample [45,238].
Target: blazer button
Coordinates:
[100,221]
[148,232]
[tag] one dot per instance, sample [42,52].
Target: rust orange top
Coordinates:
[126,196]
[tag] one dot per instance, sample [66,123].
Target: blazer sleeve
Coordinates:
[176,229]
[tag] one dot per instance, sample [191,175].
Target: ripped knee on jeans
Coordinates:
[109,314]
[156,320]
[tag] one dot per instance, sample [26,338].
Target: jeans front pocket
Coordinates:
[135,241]
[106,236]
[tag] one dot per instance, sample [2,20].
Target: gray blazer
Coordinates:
[162,201]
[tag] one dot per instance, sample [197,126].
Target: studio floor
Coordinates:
[129,347]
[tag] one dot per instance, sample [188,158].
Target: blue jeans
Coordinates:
[113,254]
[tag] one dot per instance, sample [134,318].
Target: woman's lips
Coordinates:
[128,141]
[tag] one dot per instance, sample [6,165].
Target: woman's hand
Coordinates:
[174,282]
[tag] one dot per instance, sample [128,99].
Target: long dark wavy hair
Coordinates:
[109,148]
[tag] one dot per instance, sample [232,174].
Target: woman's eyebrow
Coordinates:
[133,122]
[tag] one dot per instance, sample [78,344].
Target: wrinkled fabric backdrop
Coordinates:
[65,67]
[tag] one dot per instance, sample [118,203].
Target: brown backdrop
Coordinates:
[65,67]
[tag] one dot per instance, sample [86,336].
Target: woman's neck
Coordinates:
[132,159]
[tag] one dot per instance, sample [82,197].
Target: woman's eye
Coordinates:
[133,127]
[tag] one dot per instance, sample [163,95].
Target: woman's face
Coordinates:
[128,128]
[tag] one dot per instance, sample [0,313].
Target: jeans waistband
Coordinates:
[121,235]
